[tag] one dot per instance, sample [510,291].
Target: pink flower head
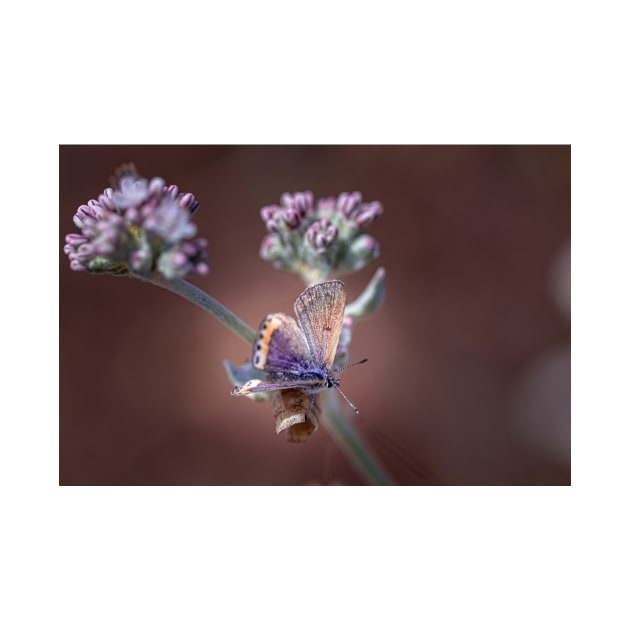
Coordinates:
[141,227]
[319,239]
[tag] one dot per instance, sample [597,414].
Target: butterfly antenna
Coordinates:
[351,365]
[354,407]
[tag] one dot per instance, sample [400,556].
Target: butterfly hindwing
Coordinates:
[319,310]
[257,385]
[281,347]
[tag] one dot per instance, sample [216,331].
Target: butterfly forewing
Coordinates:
[319,311]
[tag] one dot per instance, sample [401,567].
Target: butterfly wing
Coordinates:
[319,311]
[257,385]
[281,347]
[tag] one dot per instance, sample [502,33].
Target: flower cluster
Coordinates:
[142,227]
[319,240]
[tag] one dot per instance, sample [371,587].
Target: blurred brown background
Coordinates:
[468,378]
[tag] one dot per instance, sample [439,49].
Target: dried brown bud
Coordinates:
[296,412]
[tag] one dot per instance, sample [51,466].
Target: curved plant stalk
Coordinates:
[355,448]
[206,302]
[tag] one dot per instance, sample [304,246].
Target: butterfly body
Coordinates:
[300,354]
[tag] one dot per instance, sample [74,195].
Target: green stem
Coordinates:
[205,302]
[352,443]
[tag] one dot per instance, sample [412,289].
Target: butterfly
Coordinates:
[300,354]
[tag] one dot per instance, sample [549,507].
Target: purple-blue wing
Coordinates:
[281,347]
[257,385]
[319,311]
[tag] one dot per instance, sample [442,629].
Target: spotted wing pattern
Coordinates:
[319,310]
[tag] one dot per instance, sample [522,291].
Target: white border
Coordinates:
[332,72]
